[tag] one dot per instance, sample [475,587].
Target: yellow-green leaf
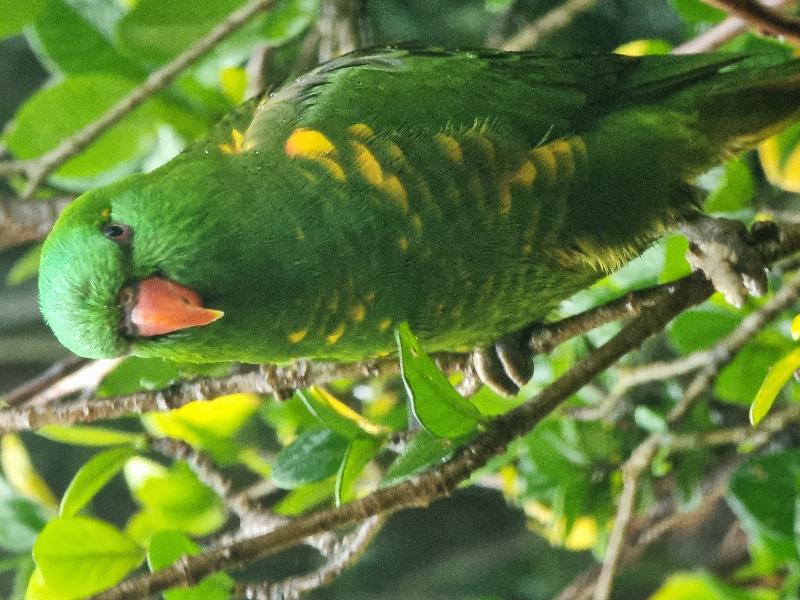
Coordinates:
[92,477]
[79,556]
[796,328]
[79,435]
[778,375]
[337,416]
[21,474]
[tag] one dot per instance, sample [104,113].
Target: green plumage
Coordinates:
[465,193]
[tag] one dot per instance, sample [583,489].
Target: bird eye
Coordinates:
[116,232]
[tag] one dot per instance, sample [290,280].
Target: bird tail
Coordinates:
[748,102]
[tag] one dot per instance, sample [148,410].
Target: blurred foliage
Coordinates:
[325,447]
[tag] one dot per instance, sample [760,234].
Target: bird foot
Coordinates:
[506,365]
[723,250]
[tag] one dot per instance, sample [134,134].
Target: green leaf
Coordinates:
[675,263]
[288,20]
[421,452]
[315,455]
[359,453]
[92,477]
[21,520]
[697,11]
[209,425]
[166,547]
[779,374]
[134,374]
[337,416]
[733,188]
[740,381]
[764,493]
[155,31]
[17,15]
[78,556]
[305,497]
[175,498]
[644,47]
[437,406]
[699,329]
[75,45]
[26,267]
[693,586]
[55,112]
[79,435]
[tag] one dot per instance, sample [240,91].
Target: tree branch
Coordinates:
[723,32]
[25,222]
[39,168]
[557,18]
[762,16]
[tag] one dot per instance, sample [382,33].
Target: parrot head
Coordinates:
[131,262]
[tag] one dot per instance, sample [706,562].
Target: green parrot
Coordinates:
[467,193]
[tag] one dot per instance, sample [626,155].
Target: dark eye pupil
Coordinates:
[116,232]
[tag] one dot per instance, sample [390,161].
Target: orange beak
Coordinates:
[162,306]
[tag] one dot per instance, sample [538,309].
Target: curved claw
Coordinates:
[722,250]
[506,365]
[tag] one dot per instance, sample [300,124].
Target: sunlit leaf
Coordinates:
[643,47]
[165,548]
[337,416]
[21,520]
[315,455]
[209,425]
[359,453]
[422,451]
[17,15]
[780,159]
[796,328]
[780,373]
[81,435]
[21,473]
[78,556]
[437,406]
[92,477]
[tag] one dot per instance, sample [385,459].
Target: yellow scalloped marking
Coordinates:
[403,243]
[367,164]
[384,325]
[394,188]
[546,158]
[331,166]
[562,150]
[236,145]
[334,335]
[298,336]
[308,143]
[450,147]
[361,130]
[525,175]
[358,312]
[416,222]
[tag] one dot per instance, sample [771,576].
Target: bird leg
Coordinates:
[722,249]
[506,365]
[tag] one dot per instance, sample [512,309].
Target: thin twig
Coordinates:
[721,354]
[723,32]
[346,552]
[630,377]
[54,373]
[557,18]
[25,222]
[762,16]
[39,168]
